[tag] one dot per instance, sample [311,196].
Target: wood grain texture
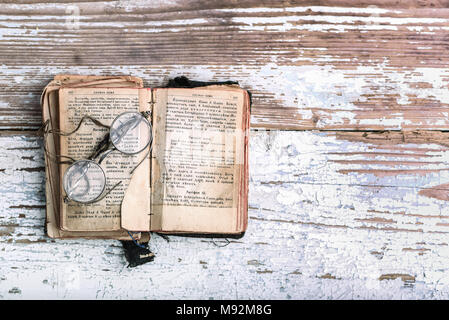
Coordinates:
[355,208]
[330,218]
[310,64]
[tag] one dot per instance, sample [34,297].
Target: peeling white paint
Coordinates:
[305,237]
[334,96]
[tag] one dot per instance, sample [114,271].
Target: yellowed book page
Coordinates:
[103,104]
[136,204]
[50,106]
[197,159]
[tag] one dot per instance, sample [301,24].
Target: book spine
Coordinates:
[152,103]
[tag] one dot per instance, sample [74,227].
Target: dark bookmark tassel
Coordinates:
[137,255]
[184,82]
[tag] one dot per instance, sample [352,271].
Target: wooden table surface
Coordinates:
[349,148]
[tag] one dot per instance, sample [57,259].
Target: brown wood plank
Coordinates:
[310,64]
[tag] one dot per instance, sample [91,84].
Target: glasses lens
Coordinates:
[84,181]
[130,132]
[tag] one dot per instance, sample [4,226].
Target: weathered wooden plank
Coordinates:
[380,181]
[310,66]
[332,215]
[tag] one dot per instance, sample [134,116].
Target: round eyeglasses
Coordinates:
[84,181]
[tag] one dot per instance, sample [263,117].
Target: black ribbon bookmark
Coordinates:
[184,82]
[137,255]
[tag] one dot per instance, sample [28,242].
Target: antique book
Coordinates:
[192,177]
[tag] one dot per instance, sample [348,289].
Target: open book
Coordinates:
[192,177]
